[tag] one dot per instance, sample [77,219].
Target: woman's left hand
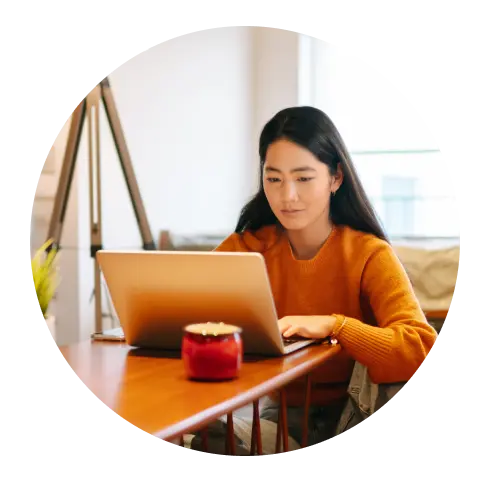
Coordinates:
[316,327]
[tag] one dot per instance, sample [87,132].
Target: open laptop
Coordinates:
[157,293]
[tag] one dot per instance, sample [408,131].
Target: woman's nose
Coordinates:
[289,192]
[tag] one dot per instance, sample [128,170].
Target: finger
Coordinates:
[292,330]
[284,328]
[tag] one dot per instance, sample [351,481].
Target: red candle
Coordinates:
[212,351]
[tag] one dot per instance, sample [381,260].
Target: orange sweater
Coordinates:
[356,275]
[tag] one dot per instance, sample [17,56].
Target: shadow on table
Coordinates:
[177,354]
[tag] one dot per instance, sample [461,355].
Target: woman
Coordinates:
[332,271]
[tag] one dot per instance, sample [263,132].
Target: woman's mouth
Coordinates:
[291,212]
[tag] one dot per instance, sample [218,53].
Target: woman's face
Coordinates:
[297,185]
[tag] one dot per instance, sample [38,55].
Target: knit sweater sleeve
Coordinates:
[393,350]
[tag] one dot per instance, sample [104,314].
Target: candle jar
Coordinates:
[212,351]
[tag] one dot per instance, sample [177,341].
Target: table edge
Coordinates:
[242,399]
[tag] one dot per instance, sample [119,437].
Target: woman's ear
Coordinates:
[338,179]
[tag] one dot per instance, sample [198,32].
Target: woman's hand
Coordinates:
[316,327]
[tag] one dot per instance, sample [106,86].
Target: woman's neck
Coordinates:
[306,242]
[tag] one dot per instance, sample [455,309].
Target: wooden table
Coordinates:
[150,389]
[436,318]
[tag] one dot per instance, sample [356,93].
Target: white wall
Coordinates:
[186,108]
[192,109]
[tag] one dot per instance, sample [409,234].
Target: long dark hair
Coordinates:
[312,129]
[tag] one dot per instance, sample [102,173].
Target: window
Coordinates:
[398,162]
[399,205]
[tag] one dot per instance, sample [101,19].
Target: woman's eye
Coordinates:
[305,179]
[273,179]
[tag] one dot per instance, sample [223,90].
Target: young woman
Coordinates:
[331,267]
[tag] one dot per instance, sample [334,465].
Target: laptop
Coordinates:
[156,293]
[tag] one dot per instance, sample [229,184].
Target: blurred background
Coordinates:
[192,110]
